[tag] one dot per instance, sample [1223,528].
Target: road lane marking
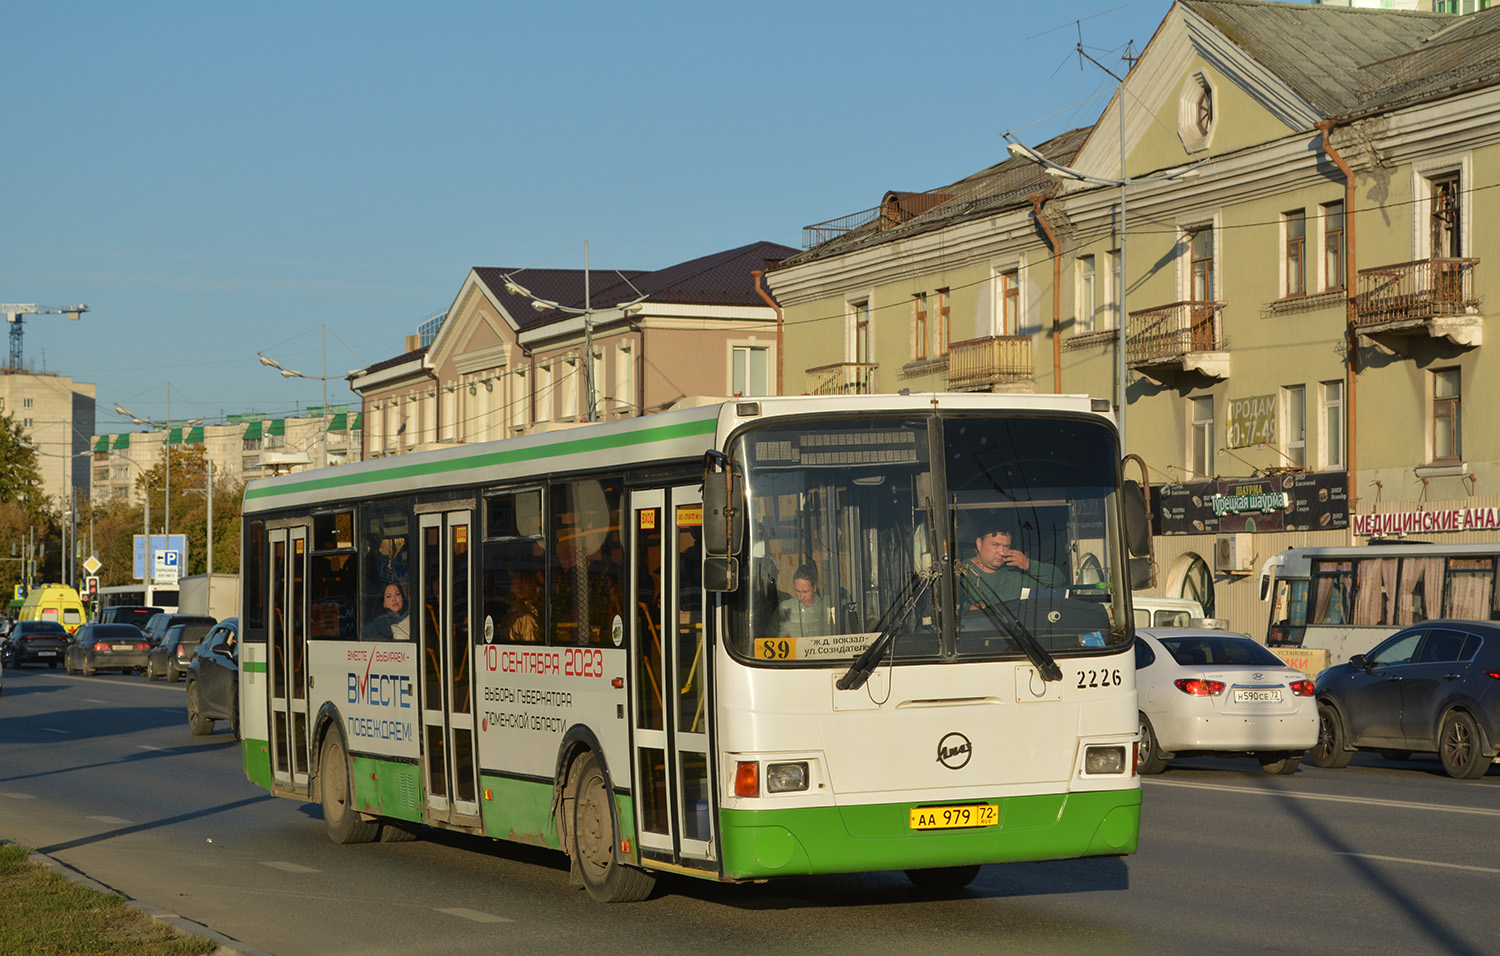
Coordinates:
[55,730]
[1398,859]
[148,747]
[94,700]
[1367,801]
[288,867]
[475,915]
[19,796]
[112,821]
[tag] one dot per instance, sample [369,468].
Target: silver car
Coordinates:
[1214,693]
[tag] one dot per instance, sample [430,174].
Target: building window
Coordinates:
[1332,438]
[860,332]
[944,325]
[1444,231]
[1333,246]
[1201,265]
[1447,433]
[919,326]
[624,392]
[26,402]
[1087,301]
[1112,318]
[1295,226]
[748,370]
[1294,425]
[1201,437]
[1008,302]
[1196,111]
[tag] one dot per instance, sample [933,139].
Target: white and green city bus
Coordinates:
[579,639]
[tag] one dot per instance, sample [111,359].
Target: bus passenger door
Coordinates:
[442,613]
[671,703]
[288,651]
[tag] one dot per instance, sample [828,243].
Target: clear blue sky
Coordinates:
[218,179]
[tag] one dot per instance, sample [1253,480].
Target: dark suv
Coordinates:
[136,614]
[41,642]
[157,624]
[170,658]
[1433,687]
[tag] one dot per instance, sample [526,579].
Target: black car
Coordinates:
[39,642]
[107,647]
[157,625]
[213,679]
[171,657]
[1433,687]
[137,614]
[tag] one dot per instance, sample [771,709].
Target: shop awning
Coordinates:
[174,437]
[278,427]
[101,443]
[122,441]
[195,437]
[252,430]
[339,422]
[359,423]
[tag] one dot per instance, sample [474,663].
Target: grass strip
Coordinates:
[46,914]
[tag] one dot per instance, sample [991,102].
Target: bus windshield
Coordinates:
[956,537]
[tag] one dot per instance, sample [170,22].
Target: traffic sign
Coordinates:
[168,567]
[92,564]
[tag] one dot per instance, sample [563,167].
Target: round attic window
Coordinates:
[1196,112]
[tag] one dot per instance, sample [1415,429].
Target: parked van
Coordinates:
[1152,611]
[54,602]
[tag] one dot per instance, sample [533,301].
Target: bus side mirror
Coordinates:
[1137,521]
[723,523]
[1141,577]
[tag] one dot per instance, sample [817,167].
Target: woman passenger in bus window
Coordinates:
[393,625]
[806,613]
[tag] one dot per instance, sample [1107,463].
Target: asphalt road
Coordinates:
[1382,857]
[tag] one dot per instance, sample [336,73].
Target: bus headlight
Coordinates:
[1104,760]
[786,777]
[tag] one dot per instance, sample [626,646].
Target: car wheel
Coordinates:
[1332,749]
[397,832]
[592,838]
[173,674]
[200,725]
[151,673]
[1460,748]
[1279,762]
[943,878]
[1151,758]
[343,822]
[88,669]
[67,666]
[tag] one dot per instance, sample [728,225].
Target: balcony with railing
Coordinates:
[1426,298]
[843,378]
[1169,340]
[978,364]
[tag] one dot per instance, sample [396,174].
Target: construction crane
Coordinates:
[16,316]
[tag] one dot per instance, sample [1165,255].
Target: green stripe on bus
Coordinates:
[257,757]
[576,446]
[252,667]
[861,839]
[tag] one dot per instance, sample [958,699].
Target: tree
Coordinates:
[20,477]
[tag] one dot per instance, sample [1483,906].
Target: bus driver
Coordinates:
[1005,571]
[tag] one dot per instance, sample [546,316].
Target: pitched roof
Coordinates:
[722,278]
[1317,50]
[900,215]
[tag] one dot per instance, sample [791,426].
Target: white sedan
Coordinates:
[1213,693]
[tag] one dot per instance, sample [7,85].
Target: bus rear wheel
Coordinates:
[343,822]
[593,835]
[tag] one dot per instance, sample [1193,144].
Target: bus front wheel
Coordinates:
[592,837]
[344,823]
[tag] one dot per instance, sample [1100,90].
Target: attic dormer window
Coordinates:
[1196,112]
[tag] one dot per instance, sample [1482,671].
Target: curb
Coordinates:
[227,945]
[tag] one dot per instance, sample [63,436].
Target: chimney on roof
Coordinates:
[412,342]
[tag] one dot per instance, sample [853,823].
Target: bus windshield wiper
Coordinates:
[899,609]
[988,601]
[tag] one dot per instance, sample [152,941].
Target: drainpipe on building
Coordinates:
[760,274]
[1036,210]
[1351,305]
